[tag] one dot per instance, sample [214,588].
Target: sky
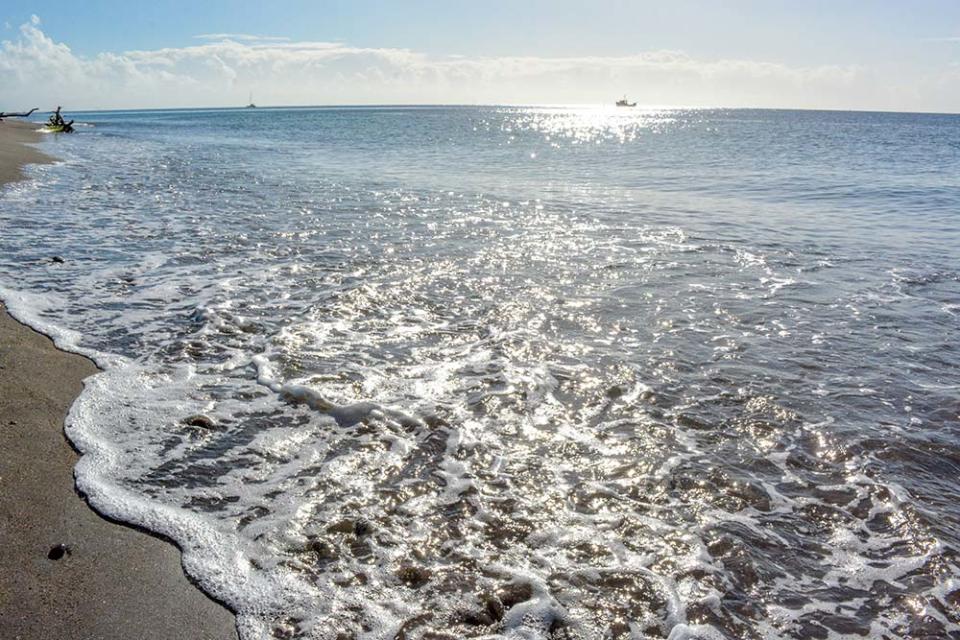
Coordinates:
[888,55]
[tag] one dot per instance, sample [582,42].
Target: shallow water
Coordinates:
[518,372]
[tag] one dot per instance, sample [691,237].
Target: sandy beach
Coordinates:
[67,572]
[14,152]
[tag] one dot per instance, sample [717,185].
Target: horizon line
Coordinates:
[556,105]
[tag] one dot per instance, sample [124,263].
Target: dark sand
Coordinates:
[115,582]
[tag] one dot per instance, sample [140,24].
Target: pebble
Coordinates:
[341,526]
[615,391]
[414,576]
[58,551]
[323,549]
[200,421]
[362,528]
[515,593]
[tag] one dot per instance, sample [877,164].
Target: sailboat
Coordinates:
[251,105]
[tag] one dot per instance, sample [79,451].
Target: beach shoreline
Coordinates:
[68,572]
[15,152]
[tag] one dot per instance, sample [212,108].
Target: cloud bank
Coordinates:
[36,70]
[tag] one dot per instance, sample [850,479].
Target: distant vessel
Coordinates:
[251,105]
[623,102]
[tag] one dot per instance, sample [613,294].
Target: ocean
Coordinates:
[517,372]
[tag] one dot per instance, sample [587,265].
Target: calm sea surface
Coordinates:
[521,373]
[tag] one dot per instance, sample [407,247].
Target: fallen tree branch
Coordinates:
[22,114]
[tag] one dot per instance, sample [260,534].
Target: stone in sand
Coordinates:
[200,421]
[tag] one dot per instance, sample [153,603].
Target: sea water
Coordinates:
[502,372]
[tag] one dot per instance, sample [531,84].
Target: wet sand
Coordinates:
[14,153]
[112,582]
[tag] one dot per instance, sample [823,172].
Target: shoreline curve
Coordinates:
[68,572]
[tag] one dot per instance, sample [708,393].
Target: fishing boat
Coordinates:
[623,102]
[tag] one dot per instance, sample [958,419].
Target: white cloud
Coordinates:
[37,70]
[240,37]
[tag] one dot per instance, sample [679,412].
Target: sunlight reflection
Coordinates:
[586,125]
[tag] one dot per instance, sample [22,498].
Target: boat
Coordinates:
[623,102]
[251,105]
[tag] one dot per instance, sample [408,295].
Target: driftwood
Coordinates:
[22,114]
[57,123]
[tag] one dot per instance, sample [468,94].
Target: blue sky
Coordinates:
[839,54]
